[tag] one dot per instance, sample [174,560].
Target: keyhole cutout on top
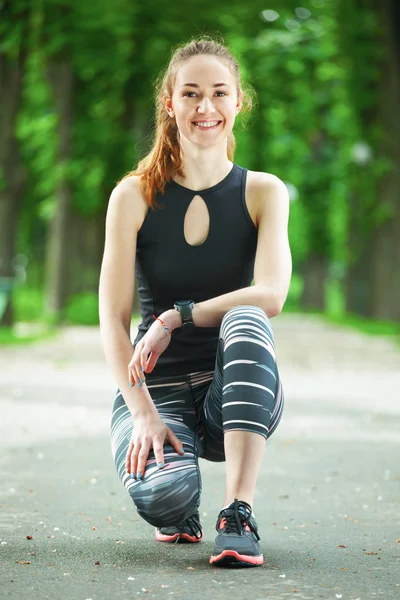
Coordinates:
[196,224]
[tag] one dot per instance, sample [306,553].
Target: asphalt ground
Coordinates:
[327,500]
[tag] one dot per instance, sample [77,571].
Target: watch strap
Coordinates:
[185,310]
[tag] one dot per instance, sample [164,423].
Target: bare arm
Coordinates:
[116,292]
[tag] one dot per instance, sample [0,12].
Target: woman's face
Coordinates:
[204,100]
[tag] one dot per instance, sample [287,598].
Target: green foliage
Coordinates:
[294,294]
[334,300]
[28,303]
[82,309]
[316,84]
[303,116]
[11,336]
[3,184]
[369,326]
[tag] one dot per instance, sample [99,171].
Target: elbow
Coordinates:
[280,300]
[274,310]
[273,303]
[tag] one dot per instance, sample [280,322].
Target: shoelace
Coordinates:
[194,525]
[237,517]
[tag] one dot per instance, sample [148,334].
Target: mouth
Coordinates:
[206,127]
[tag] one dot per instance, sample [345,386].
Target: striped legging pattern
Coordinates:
[244,392]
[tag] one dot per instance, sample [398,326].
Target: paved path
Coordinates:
[327,499]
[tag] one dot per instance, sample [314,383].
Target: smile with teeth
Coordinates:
[206,124]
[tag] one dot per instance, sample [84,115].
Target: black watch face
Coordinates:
[184,307]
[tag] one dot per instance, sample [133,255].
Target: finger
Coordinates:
[131,376]
[128,458]
[175,442]
[135,366]
[158,448]
[134,459]
[140,363]
[132,367]
[151,363]
[132,373]
[143,361]
[142,460]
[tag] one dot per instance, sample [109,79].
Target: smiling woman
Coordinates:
[210,109]
[202,83]
[208,242]
[204,124]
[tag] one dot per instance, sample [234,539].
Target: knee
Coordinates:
[246,315]
[169,496]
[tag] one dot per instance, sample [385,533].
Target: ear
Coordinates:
[168,105]
[239,103]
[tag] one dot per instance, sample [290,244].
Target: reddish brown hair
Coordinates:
[155,168]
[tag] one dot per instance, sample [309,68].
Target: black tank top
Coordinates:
[169,269]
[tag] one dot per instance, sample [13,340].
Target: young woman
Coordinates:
[201,380]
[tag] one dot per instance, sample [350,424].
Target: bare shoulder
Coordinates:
[263,190]
[128,202]
[263,182]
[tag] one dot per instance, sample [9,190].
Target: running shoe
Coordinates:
[189,531]
[236,544]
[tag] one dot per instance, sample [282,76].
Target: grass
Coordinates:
[369,326]
[9,336]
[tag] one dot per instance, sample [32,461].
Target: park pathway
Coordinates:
[327,502]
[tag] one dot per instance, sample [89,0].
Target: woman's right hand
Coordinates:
[149,431]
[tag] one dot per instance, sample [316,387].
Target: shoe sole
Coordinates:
[231,558]
[180,538]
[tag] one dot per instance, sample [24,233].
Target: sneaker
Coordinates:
[236,544]
[189,531]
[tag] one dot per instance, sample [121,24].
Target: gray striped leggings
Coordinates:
[244,392]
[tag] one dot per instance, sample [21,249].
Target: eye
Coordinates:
[219,92]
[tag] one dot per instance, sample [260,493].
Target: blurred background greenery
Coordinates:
[77,114]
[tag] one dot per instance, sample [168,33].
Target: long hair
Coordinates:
[155,168]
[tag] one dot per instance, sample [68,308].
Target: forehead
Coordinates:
[205,71]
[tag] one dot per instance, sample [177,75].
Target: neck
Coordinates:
[203,175]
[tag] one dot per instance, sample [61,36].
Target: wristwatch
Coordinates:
[184,307]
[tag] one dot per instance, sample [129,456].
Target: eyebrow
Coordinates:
[196,86]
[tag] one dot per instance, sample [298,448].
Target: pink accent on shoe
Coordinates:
[252,560]
[161,537]
[222,523]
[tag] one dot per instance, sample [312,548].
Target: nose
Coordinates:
[206,106]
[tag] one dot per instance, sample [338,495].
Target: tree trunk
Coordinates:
[61,79]
[315,273]
[384,280]
[12,173]
[373,278]
[356,281]
[86,242]
[141,115]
